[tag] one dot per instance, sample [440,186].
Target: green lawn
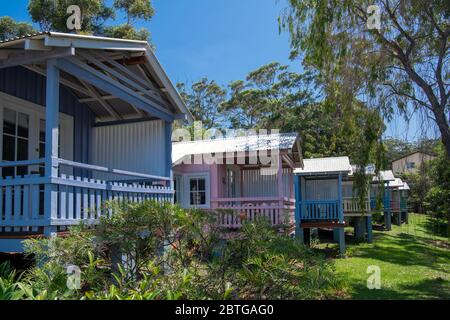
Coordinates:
[414,261]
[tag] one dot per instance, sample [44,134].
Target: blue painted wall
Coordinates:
[25,84]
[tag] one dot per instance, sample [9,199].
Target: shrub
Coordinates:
[158,251]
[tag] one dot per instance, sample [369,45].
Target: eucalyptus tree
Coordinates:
[9,28]
[96,15]
[204,98]
[52,15]
[390,54]
[267,98]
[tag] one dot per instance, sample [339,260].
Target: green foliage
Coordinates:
[135,9]
[11,29]
[52,257]
[159,251]
[126,31]
[51,15]
[401,66]
[269,98]
[9,283]
[438,197]
[203,98]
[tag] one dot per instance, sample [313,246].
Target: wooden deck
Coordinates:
[31,203]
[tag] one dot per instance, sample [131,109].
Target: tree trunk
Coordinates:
[444,129]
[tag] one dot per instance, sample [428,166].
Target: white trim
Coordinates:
[185,194]
[36,113]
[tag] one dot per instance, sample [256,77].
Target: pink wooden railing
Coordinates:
[279,211]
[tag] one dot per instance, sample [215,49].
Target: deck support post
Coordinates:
[388,219]
[369,229]
[340,205]
[341,241]
[298,202]
[307,236]
[359,228]
[387,208]
[299,234]
[51,144]
[336,234]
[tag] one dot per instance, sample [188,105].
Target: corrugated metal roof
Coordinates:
[27,36]
[405,186]
[329,165]
[88,42]
[252,142]
[397,183]
[386,175]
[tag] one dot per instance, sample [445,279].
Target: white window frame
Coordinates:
[37,112]
[186,180]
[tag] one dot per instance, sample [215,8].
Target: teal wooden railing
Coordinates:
[320,210]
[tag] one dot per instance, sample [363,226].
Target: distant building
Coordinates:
[411,162]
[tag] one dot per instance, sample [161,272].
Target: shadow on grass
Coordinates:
[437,288]
[435,226]
[405,250]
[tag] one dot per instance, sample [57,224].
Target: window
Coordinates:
[15,140]
[22,134]
[231,183]
[197,191]
[410,165]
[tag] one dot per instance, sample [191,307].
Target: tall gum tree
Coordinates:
[403,65]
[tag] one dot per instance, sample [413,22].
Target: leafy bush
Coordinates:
[159,251]
[9,283]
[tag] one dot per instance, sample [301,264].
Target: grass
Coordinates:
[414,260]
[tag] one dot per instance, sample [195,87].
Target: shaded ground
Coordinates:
[414,262]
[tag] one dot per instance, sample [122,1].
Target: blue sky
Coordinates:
[221,39]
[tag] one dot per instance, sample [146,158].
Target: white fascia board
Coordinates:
[92,43]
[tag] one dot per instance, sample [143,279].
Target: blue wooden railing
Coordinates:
[320,210]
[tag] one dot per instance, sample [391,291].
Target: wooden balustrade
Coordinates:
[320,210]
[352,206]
[22,207]
[234,211]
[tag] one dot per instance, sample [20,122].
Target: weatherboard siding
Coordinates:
[257,185]
[139,147]
[27,85]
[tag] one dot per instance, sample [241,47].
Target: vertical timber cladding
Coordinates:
[30,86]
[257,185]
[138,147]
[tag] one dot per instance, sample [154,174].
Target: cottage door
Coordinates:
[22,130]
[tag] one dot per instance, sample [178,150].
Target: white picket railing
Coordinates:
[352,206]
[236,210]
[22,198]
